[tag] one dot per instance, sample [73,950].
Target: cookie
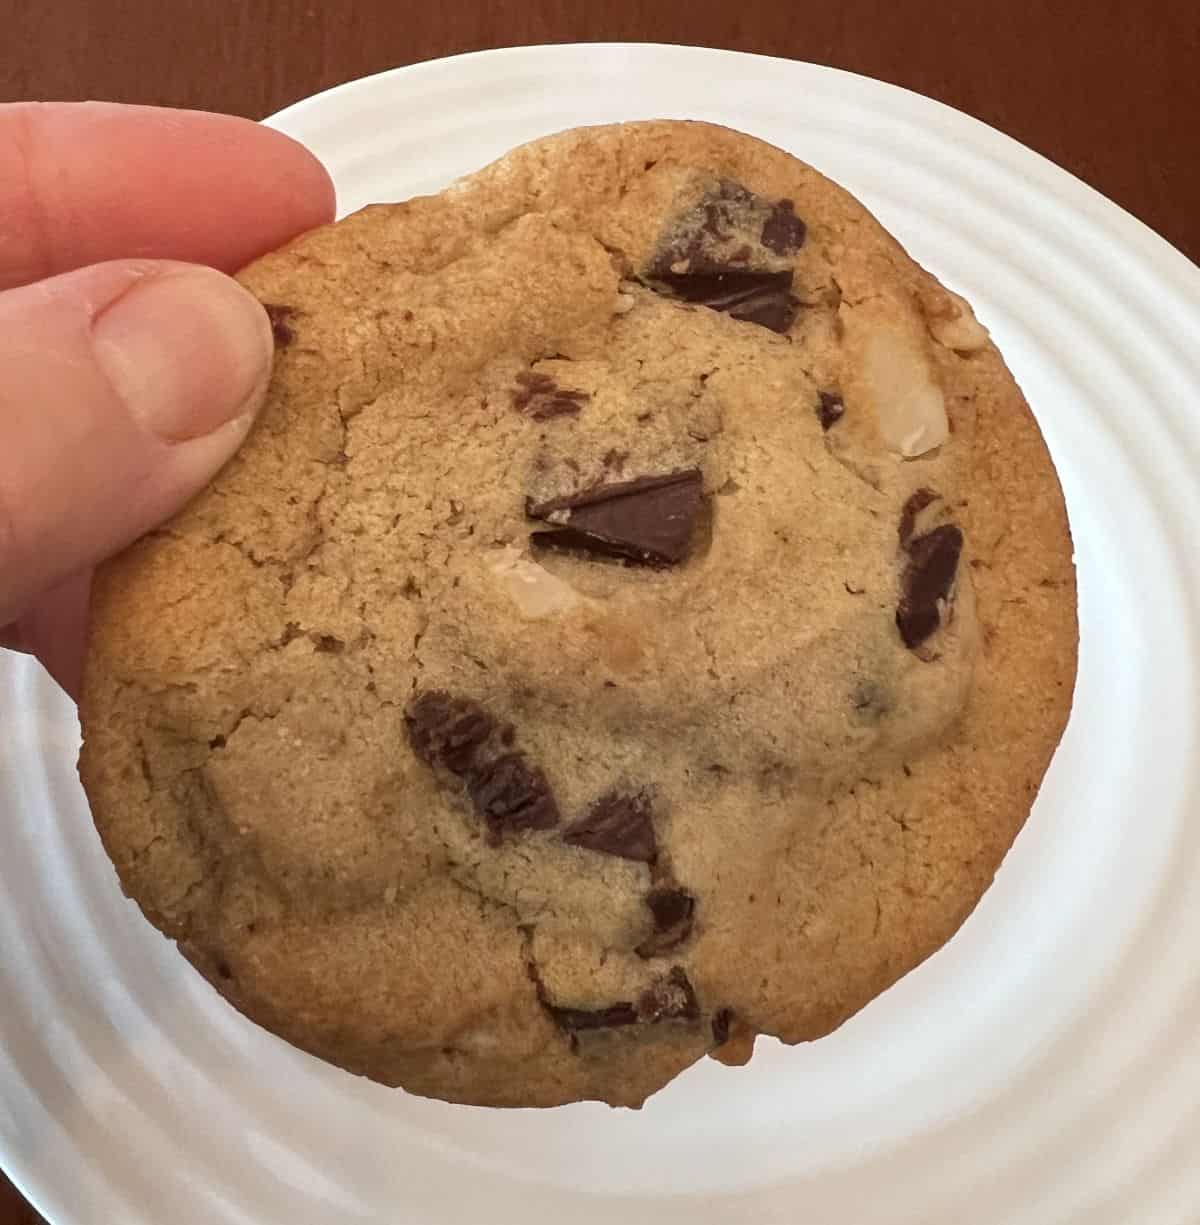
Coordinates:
[640,620]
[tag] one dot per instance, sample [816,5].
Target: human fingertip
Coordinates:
[317,186]
[187,350]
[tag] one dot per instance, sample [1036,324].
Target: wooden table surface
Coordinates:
[1110,89]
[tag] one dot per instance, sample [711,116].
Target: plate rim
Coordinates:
[1166,259]
[283,118]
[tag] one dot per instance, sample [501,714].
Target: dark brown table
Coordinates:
[1107,88]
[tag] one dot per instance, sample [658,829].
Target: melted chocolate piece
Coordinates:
[447,731]
[928,579]
[458,735]
[576,1020]
[911,509]
[829,408]
[670,907]
[616,824]
[722,1020]
[673,910]
[764,298]
[540,397]
[281,328]
[783,232]
[511,794]
[669,998]
[710,253]
[649,520]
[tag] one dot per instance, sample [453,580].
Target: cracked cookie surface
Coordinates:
[641,619]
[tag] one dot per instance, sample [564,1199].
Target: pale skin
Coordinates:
[131,365]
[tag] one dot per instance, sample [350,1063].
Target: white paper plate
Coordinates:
[1045,1067]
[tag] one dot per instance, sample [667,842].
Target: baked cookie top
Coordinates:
[640,619]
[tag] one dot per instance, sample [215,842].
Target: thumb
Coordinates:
[123,389]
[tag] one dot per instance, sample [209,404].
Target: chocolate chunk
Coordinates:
[783,232]
[722,1020]
[457,734]
[447,731]
[649,520]
[708,260]
[911,509]
[511,794]
[540,397]
[281,328]
[668,998]
[764,298]
[723,288]
[619,824]
[672,909]
[928,579]
[577,1020]
[829,408]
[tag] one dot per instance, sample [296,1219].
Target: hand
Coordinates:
[126,379]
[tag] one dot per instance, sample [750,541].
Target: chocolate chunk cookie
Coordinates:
[640,619]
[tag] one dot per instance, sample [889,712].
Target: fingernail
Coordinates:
[187,349]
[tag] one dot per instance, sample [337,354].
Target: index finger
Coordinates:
[84,182]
